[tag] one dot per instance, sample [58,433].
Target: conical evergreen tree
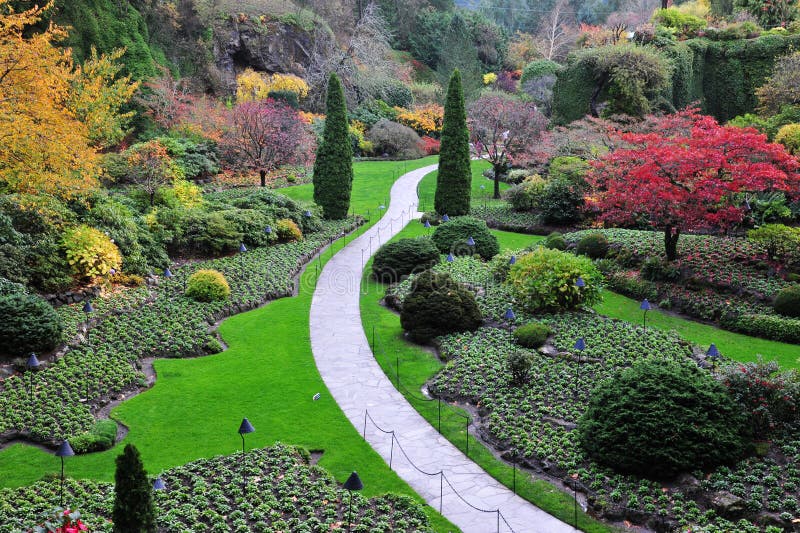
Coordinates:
[333,168]
[453,184]
[133,495]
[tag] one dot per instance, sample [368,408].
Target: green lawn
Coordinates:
[734,345]
[427,188]
[417,365]
[267,374]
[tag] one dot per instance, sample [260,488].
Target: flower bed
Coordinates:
[146,322]
[283,493]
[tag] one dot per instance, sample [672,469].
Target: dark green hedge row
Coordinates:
[721,75]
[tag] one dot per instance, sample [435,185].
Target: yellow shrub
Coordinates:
[252,85]
[489,78]
[288,230]
[207,286]
[288,82]
[425,120]
[789,137]
[188,194]
[91,252]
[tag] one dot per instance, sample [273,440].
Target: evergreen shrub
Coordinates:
[29,324]
[451,237]
[207,286]
[401,258]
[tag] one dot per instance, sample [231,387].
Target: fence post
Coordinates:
[440,414]
[498,521]
[441,489]
[467,435]
[391,452]
[365,424]
[373,339]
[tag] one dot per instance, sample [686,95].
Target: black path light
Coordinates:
[450,258]
[580,345]
[580,283]
[445,218]
[645,306]
[87,307]
[242,248]
[244,428]
[32,364]
[471,244]
[167,273]
[268,230]
[159,484]
[65,450]
[512,260]
[352,483]
[714,354]
[509,314]
[307,214]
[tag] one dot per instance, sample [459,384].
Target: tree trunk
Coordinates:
[498,168]
[152,198]
[664,4]
[671,236]
[263,177]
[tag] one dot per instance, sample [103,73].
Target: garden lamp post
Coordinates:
[450,258]
[167,273]
[513,260]
[65,450]
[714,354]
[445,218]
[580,283]
[427,227]
[159,484]
[645,306]
[352,483]
[509,314]
[471,244]
[31,364]
[268,230]
[580,345]
[244,428]
[87,307]
[483,195]
[307,214]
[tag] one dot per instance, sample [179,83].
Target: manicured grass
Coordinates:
[417,365]
[427,188]
[267,374]
[734,345]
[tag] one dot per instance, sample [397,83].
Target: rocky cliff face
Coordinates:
[268,47]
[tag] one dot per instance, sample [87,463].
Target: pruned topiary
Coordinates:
[594,246]
[401,258]
[29,324]
[437,305]
[207,286]
[660,418]
[451,238]
[787,302]
[532,335]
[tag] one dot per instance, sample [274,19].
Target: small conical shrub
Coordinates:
[454,180]
[333,168]
[133,496]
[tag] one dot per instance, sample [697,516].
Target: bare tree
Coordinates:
[364,66]
[556,32]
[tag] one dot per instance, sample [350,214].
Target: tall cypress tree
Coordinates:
[453,183]
[133,495]
[333,168]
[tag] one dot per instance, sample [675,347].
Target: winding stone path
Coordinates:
[343,356]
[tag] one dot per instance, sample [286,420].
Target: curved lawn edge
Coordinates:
[418,365]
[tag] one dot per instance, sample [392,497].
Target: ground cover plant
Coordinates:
[726,280]
[534,418]
[283,492]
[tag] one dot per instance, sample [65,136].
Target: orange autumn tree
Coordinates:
[50,112]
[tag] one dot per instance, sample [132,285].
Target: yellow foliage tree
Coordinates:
[47,116]
[252,85]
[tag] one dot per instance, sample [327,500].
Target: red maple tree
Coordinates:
[267,134]
[688,174]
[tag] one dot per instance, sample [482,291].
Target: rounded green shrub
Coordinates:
[437,305]
[532,335]
[401,258]
[207,286]
[787,302]
[519,365]
[561,202]
[451,237]
[544,281]
[789,137]
[594,245]
[660,418]
[29,324]
[500,265]
[555,241]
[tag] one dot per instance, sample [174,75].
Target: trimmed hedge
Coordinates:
[532,335]
[721,75]
[772,327]
[787,302]
[101,437]
[29,324]
[207,286]
[437,305]
[660,418]
[401,258]
[451,237]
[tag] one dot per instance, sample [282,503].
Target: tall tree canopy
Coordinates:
[333,168]
[689,174]
[53,118]
[454,179]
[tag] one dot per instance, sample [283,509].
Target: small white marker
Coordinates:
[316,397]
